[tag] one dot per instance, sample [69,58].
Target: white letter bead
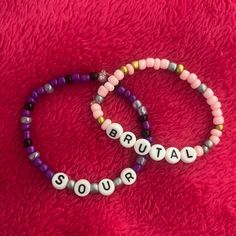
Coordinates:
[106,187]
[82,187]
[114,130]
[188,155]
[127,139]
[142,146]
[157,152]
[128,176]
[172,155]
[60,180]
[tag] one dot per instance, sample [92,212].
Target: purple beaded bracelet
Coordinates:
[60,180]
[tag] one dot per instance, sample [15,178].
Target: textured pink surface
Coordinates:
[51,38]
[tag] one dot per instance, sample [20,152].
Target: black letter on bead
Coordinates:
[108,187]
[113,133]
[83,189]
[60,178]
[129,176]
[174,154]
[158,151]
[140,148]
[128,137]
[188,154]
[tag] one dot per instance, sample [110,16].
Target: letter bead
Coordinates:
[157,152]
[106,187]
[82,187]
[114,130]
[172,155]
[142,146]
[127,139]
[128,176]
[188,155]
[60,180]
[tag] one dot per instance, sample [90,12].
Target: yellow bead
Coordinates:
[219,127]
[124,69]
[179,69]
[101,120]
[135,64]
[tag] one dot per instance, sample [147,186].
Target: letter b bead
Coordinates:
[114,130]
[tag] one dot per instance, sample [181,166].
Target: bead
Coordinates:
[29,106]
[205,149]
[102,76]
[82,188]
[117,181]
[137,104]
[146,125]
[26,120]
[68,79]
[37,162]
[172,155]
[212,100]
[94,188]
[30,149]
[184,75]
[195,84]
[113,80]
[216,106]
[164,64]
[102,91]
[141,160]
[49,174]
[99,99]
[101,120]
[28,142]
[97,114]
[127,139]
[105,124]
[157,152]
[150,62]
[202,88]
[218,120]
[179,69]
[34,155]
[219,127]
[143,117]
[216,132]
[217,112]
[121,90]
[209,143]
[128,176]
[76,77]
[142,110]
[146,133]
[124,69]
[135,65]
[199,150]
[119,74]
[70,185]
[208,93]
[215,139]
[110,87]
[188,155]
[130,69]
[157,64]
[59,180]
[142,146]
[114,130]
[137,168]
[43,167]
[106,187]
[84,78]
[95,107]
[192,78]
[172,67]
[142,64]
[48,88]
[94,75]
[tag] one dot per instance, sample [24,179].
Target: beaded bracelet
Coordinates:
[60,180]
[143,147]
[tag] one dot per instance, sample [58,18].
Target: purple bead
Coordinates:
[75,77]
[54,82]
[150,139]
[132,98]
[25,127]
[35,95]
[49,174]
[61,81]
[127,93]
[43,167]
[41,90]
[137,167]
[31,100]
[26,113]
[121,90]
[146,125]
[26,134]
[37,162]
[30,149]
[84,78]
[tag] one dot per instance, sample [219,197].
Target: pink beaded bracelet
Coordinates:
[143,147]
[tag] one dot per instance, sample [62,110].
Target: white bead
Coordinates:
[157,152]
[128,176]
[142,146]
[127,139]
[106,187]
[114,130]
[172,155]
[188,155]
[60,180]
[82,187]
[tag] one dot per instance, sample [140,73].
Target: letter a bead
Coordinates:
[172,155]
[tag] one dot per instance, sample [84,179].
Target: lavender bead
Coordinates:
[37,162]
[25,127]
[121,90]
[54,82]
[43,167]
[84,78]
[41,90]
[150,139]
[146,125]
[30,149]
[31,100]
[127,93]
[35,95]
[49,174]
[26,113]
[27,134]
[75,77]
[61,81]
[132,98]
[137,168]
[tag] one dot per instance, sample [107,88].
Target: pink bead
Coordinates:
[113,80]
[109,86]
[199,150]
[130,69]
[216,132]
[184,75]
[216,106]
[217,112]
[150,62]
[192,78]
[142,64]
[105,124]
[212,100]
[95,107]
[102,91]
[214,139]
[97,114]
[219,120]
[208,93]
[119,74]
[196,84]
[164,64]
[157,63]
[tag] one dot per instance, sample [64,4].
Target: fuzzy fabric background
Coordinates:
[40,40]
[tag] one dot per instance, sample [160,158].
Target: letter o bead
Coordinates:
[142,146]
[82,187]
[173,155]
[157,152]
[106,187]
[127,139]
[114,130]
[59,180]
[188,155]
[128,176]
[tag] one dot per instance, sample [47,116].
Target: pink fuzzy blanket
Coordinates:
[40,40]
